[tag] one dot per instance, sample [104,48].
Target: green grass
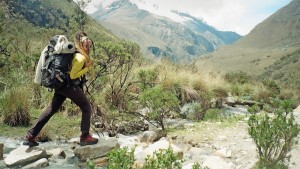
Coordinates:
[205,130]
[59,126]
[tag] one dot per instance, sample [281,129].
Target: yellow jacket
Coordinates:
[78,68]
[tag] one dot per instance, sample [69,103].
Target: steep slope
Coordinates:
[286,71]
[33,22]
[274,38]
[161,36]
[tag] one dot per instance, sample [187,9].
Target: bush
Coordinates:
[192,111]
[213,115]
[147,78]
[121,158]
[238,78]
[15,106]
[198,166]
[262,94]
[274,137]
[272,87]
[237,90]
[163,159]
[160,102]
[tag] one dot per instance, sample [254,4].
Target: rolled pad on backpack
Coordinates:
[62,45]
[55,63]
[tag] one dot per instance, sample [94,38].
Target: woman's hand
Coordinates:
[89,63]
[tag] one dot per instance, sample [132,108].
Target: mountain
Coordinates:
[159,36]
[270,51]
[35,21]
[269,42]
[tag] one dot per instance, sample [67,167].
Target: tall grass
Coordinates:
[14,106]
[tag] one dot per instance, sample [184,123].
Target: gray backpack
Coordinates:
[58,57]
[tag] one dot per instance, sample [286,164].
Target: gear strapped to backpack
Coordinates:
[55,63]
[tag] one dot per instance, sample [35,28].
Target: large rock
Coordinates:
[198,154]
[215,162]
[38,164]
[24,155]
[224,152]
[161,144]
[104,146]
[57,153]
[148,136]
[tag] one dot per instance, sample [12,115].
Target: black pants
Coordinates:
[77,96]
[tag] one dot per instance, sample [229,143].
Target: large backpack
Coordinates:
[58,57]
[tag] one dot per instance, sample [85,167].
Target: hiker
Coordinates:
[81,63]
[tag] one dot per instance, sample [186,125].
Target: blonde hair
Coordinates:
[79,46]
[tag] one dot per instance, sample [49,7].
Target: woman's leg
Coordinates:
[79,98]
[54,106]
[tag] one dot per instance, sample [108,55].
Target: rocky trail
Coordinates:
[215,145]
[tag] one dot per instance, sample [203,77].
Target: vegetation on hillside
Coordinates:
[125,85]
[285,72]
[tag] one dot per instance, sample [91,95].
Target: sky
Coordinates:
[240,16]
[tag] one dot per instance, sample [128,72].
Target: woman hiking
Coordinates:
[81,63]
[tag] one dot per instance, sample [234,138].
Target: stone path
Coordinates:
[214,144]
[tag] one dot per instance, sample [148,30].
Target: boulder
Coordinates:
[57,153]
[223,152]
[43,162]
[161,144]
[215,162]
[148,136]
[24,155]
[104,146]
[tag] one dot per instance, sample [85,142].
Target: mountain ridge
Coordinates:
[269,51]
[160,36]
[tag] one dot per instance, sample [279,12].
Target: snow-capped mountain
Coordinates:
[160,33]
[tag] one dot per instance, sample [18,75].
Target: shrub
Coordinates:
[262,94]
[160,102]
[220,92]
[90,164]
[163,159]
[199,85]
[15,106]
[192,111]
[147,78]
[237,90]
[272,87]
[121,158]
[274,137]
[253,109]
[198,166]
[212,115]
[240,78]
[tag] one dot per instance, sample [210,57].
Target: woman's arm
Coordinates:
[77,65]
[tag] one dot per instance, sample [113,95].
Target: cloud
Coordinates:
[235,15]
[226,15]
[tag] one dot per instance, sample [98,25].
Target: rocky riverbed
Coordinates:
[215,145]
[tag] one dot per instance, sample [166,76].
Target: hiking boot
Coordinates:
[30,141]
[87,140]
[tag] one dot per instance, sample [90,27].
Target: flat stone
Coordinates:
[24,155]
[104,146]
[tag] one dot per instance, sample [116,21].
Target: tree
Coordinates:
[80,19]
[274,137]
[160,103]
[117,60]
